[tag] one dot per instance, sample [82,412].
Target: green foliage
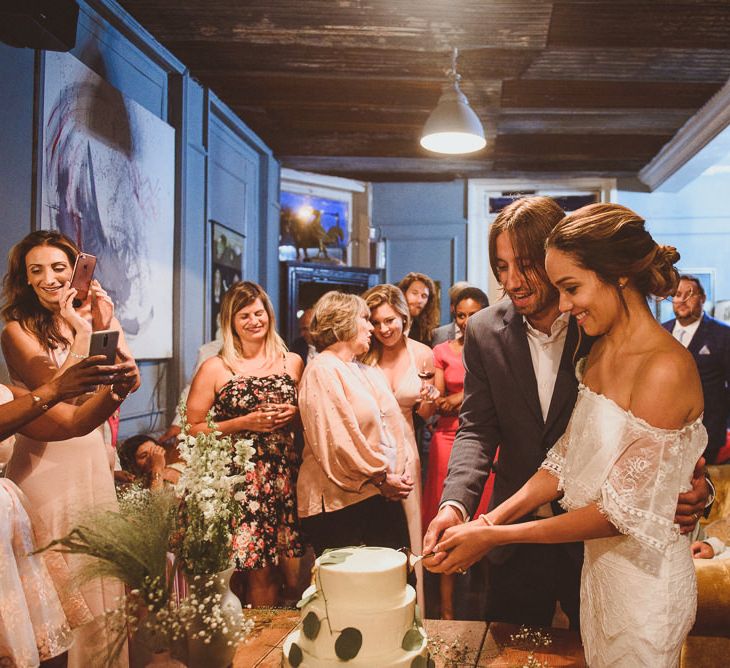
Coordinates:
[311,625]
[295,655]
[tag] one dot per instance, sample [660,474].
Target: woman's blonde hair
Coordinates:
[376,297]
[238,296]
[612,241]
[422,325]
[335,318]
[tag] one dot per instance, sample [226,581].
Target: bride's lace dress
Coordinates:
[638,589]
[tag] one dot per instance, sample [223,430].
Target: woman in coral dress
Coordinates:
[449,381]
[251,390]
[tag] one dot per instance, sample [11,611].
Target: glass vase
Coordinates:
[212,638]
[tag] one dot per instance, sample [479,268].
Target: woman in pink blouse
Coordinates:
[353,474]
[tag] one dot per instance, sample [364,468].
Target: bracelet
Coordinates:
[115,396]
[76,355]
[381,482]
[37,401]
[486,520]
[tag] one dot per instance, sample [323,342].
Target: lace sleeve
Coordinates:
[555,460]
[639,496]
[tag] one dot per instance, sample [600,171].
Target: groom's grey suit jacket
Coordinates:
[501,408]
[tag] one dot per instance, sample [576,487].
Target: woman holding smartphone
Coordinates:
[251,389]
[44,337]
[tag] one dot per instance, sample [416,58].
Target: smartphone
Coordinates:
[81,278]
[104,342]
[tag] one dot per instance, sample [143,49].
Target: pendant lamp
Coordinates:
[453,127]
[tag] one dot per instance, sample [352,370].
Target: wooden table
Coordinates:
[454,644]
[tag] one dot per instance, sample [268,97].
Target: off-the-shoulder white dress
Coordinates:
[638,589]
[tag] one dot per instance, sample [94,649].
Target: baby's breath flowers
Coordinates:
[211,491]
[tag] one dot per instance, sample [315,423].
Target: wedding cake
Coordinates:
[360,611]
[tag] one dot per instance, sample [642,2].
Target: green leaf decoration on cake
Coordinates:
[430,663]
[348,644]
[295,655]
[311,625]
[417,619]
[334,558]
[307,599]
[419,662]
[412,640]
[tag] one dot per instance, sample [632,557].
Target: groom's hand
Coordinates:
[448,516]
[691,505]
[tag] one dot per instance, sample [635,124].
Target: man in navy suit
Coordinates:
[519,392]
[709,342]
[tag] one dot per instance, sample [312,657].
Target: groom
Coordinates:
[519,393]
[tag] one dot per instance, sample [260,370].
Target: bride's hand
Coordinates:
[461,546]
[66,297]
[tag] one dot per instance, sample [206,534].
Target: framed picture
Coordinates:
[313,228]
[226,266]
[706,276]
[108,183]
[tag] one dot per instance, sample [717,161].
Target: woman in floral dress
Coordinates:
[251,389]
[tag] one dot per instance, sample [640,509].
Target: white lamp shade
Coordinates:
[453,127]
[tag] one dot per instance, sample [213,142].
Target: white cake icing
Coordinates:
[364,590]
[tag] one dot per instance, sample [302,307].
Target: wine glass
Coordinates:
[426,373]
[269,401]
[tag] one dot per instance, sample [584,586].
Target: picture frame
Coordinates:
[706,276]
[226,266]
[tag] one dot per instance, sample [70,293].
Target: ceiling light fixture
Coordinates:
[453,127]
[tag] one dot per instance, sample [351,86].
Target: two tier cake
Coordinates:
[359,611]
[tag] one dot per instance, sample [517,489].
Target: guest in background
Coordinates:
[450,331]
[44,336]
[400,360]
[449,381]
[205,352]
[423,304]
[251,388]
[147,459]
[303,344]
[355,464]
[709,342]
[38,604]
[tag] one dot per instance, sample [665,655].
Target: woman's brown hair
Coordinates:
[377,296]
[422,325]
[612,241]
[20,302]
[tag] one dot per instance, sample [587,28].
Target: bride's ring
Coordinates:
[695,516]
[461,571]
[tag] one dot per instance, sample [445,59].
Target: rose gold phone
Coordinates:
[83,273]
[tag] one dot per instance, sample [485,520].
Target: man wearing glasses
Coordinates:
[709,342]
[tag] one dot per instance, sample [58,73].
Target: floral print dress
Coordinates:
[268,528]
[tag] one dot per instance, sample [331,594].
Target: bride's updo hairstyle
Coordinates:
[612,241]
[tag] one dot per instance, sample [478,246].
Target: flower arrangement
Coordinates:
[210,489]
[194,523]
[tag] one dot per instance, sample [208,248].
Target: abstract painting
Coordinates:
[108,177]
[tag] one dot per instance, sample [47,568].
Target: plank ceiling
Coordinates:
[344,86]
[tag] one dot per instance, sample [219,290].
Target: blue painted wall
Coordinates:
[424,228]
[223,172]
[696,220]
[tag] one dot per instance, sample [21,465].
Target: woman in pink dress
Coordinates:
[449,381]
[44,336]
[400,360]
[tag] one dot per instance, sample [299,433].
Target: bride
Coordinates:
[630,448]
